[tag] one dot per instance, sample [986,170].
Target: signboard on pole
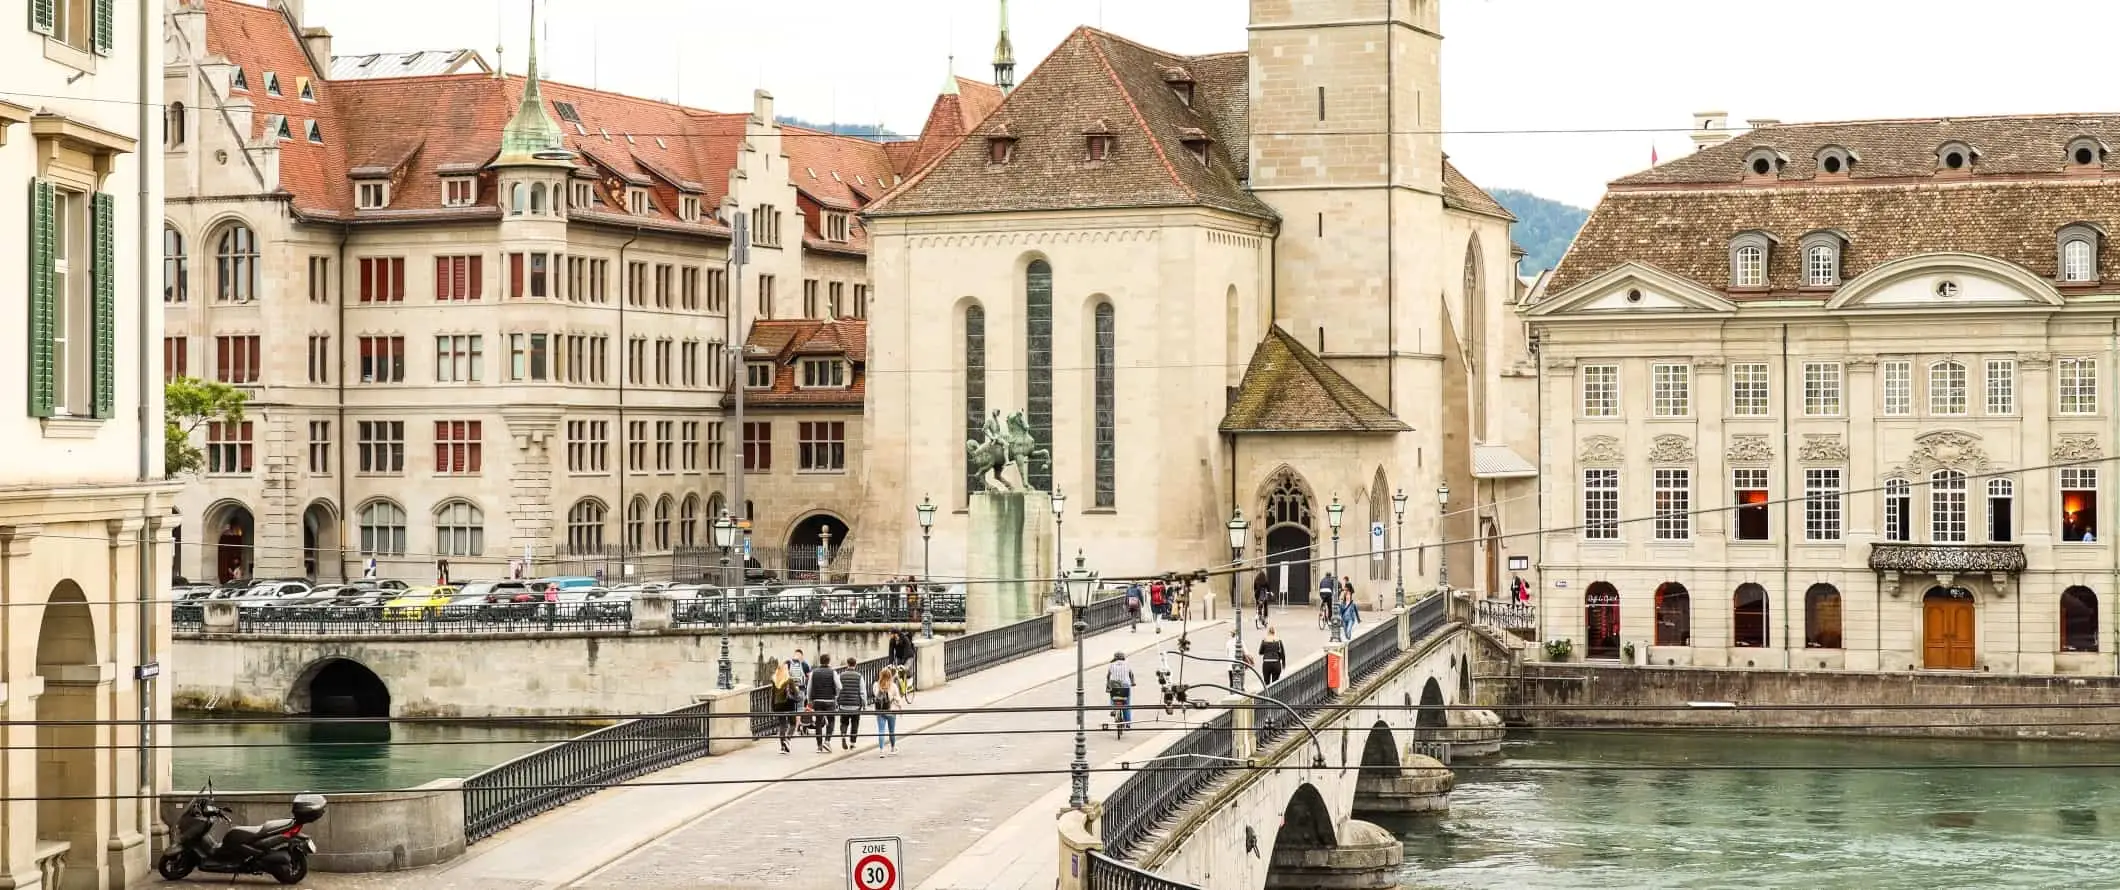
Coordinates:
[873,863]
[1283,573]
[1376,542]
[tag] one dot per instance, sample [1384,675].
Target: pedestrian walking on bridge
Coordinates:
[824,699]
[853,694]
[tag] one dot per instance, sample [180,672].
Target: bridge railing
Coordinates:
[417,619]
[1000,645]
[1158,789]
[1504,614]
[849,607]
[1106,614]
[767,725]
[1106,873]
[550,777]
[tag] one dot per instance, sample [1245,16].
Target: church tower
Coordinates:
[1004,56]
[531,171]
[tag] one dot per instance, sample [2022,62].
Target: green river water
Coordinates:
[291,756]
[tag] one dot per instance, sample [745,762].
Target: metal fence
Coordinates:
[701,565]
[1504,614]
[880,606]
[1373,650]
[1159,789]
[1106,614]
[1000,645]
[1303,691]
[1106,873]
[767,725]
[414,619]
[551,777]
[187,616]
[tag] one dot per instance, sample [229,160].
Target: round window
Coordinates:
[1947,288]
[1954,160]
[1832,164]
[1762,166]
[1634,296]
[2084,155]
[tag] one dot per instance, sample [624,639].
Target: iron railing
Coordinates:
[1161,788]
[809,607]
[988,648]
[1426,617]
[551,777]
[1372,651]
[325,618]
[701,565]
[1106,614]
[1106,873]
[1303,691]
[187,616]
[1504,614]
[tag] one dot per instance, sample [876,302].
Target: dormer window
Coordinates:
[2077,247]
[1098,142]
[276,127]
[459,191]
[1196,142]
[1955,156]
[2086,153]
[306,89]
[237,82]
[371,195]
[758,375]
[1764,163]
[272,84]
[1000,146]
[314,132]
[688,208]
[1835,161]
[834,226]
[638,203]
[1181,84]
[582,194]
[1821,258]
[1749,252]
[823,373]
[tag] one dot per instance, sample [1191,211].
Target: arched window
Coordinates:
[1107,407]
[1749,611]
[1821,268]
[459,529]
[382,529]
[2079,620]
[585,527]
[663,507]
[1601,620]
[1748,259]
[176,267]
[236,264]
[1674,615]
[974,389]
[1947,507]
[2076,264]
[1038,360]
[537,198]
[520,199]
[1947,383]
[688,522]
[636,523]
[173,125]
[1821,617]
[2001,515]
[1475,321]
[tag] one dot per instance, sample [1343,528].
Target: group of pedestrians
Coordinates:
[1165,601]
[812,697]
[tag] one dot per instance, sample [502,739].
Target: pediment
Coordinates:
[1635,289]
[1946,281]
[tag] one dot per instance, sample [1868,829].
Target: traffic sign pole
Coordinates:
[875,863]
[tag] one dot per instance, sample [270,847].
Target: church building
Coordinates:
[1247,281]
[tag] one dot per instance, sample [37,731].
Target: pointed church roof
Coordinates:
[1288,389]
[532,130]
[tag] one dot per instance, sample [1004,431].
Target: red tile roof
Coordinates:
[261,40]
[785,342]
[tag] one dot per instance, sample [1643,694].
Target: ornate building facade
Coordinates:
[1212,283]
[1840,396]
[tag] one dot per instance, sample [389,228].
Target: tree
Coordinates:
[1544,227]
[187,404]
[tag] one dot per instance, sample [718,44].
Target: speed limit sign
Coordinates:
[873,863]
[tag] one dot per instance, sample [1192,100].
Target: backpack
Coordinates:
[878,699]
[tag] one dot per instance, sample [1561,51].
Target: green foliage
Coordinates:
[1558,650]
[187,404]
[1544,227]
[874,132]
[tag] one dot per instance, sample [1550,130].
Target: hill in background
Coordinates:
[865,131]
[1544,227]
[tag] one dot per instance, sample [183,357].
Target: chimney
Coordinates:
[318,42]
[1761,123]
[1710,128]
[293,9]
[762,107]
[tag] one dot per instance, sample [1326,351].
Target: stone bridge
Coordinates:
[1288,815]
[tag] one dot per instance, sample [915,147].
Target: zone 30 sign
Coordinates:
[873,863]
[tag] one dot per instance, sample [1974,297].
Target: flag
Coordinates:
[1652,154]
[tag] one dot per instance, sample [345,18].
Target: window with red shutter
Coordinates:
[515,276]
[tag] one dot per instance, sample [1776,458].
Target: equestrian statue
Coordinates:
[1005,445]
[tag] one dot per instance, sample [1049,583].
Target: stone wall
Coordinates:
[361,832]
[1918,704]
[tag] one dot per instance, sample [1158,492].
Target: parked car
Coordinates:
[355,603]
[265,593]
[418,604]
[599,604]
[572,582]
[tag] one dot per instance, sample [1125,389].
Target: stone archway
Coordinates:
[231,535]
[806,536]
[67,738]
[320,542]
[1432,716]
[1380,752]
[1285,515]
[339,687]
[1309,853]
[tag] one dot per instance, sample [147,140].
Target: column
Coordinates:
[1864,519]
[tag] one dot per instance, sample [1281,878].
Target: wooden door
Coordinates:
[1947,634]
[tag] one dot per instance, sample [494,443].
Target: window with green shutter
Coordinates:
[103,322]
[43,16]
[105,27]
[43,308]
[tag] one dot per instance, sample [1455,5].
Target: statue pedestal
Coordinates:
[1011,537]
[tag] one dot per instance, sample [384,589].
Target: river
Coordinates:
[1914,819]
[327,757]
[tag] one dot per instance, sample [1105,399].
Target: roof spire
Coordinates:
[1004,56]
[532,133]
[949,78]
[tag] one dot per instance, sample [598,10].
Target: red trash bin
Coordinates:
[1335,671]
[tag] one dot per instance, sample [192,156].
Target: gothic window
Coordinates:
[1288,503]
[459,529]
[1038,358]
[1475,320]
[662,523]
[236,265]
[176,274]
[974,388]
[1106,398]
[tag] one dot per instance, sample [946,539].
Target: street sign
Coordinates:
[1376,542]
[873,863]
[147,671]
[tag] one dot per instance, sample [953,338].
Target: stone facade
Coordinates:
[84,506]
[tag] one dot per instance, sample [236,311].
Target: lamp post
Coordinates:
[1080,583]
[725,537]
[1237,525]
[1059,541]
[1442,552]
[1332,515]
[1398,511]
[926,509]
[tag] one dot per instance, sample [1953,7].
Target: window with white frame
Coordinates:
[1821,504]
[2079,504]
[459,529]
[1600,504]
[2076,379]
[371,195]
[1750,395]
[1821,389]
[1672,386]
[1749,266]
[1674,504]
[1749,488]
[2001,386]
[1947,387]
[2078,261]
[1898,388]
[460,191]
[1947,521]
[1821,266]
[2001,504]
[1898,510]
[382,529]
[824,373]
[1600,390]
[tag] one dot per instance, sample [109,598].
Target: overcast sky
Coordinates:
[1508,65]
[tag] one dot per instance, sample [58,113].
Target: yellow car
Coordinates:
[418,603]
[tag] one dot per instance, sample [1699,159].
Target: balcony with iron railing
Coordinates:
[1947,559]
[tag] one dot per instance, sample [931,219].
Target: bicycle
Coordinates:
[1325,616]
[1122,712]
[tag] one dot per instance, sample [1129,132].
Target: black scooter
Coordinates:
[277,848]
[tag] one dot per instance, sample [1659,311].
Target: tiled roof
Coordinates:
[786,341]
[1888,149]
[416,63]
[955,112]
[1288,389]
[1459,193]
[840,173]
[1094,76]
[262,40]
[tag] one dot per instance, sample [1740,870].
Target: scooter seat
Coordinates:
[274,827]
[246,833]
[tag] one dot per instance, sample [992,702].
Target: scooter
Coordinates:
[277,848]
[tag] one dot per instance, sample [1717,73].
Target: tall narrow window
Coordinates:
[585,527]
[2002,502]
[1947,507]
[2079,620]
[1600,505]
[1749,265]
[1749,396]
[1674,504]
[236,265]
[1673,390]
[2079,504]
[2001,386]
[1821,617]
[1821,389]
[2076,261]
[1749,485]
[176,267]
[1821,504]
[1898,510]
[1038,359]
[1898,388]
[1947,387]
[1749,616]
[1600,390]
[974,389]
[2077,381]
[1674,615]
[1106,398]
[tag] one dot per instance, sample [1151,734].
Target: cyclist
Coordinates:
[1326,589]
[1119,682]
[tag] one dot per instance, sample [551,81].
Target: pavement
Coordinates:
[739,825]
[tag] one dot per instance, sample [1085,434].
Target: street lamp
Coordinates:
[1237,525]
[725,537]
[1332,515]
[1398,510]
[1059,539]
[1080,584]
[927,527]
[1442,553]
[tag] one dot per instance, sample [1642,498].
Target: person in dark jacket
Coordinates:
[1272,655]
[1262,594]
[824,698]
[853,696]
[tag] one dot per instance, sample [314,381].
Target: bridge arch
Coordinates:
[1431,713]
[1380,753]
[1306,823]
[339,687]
